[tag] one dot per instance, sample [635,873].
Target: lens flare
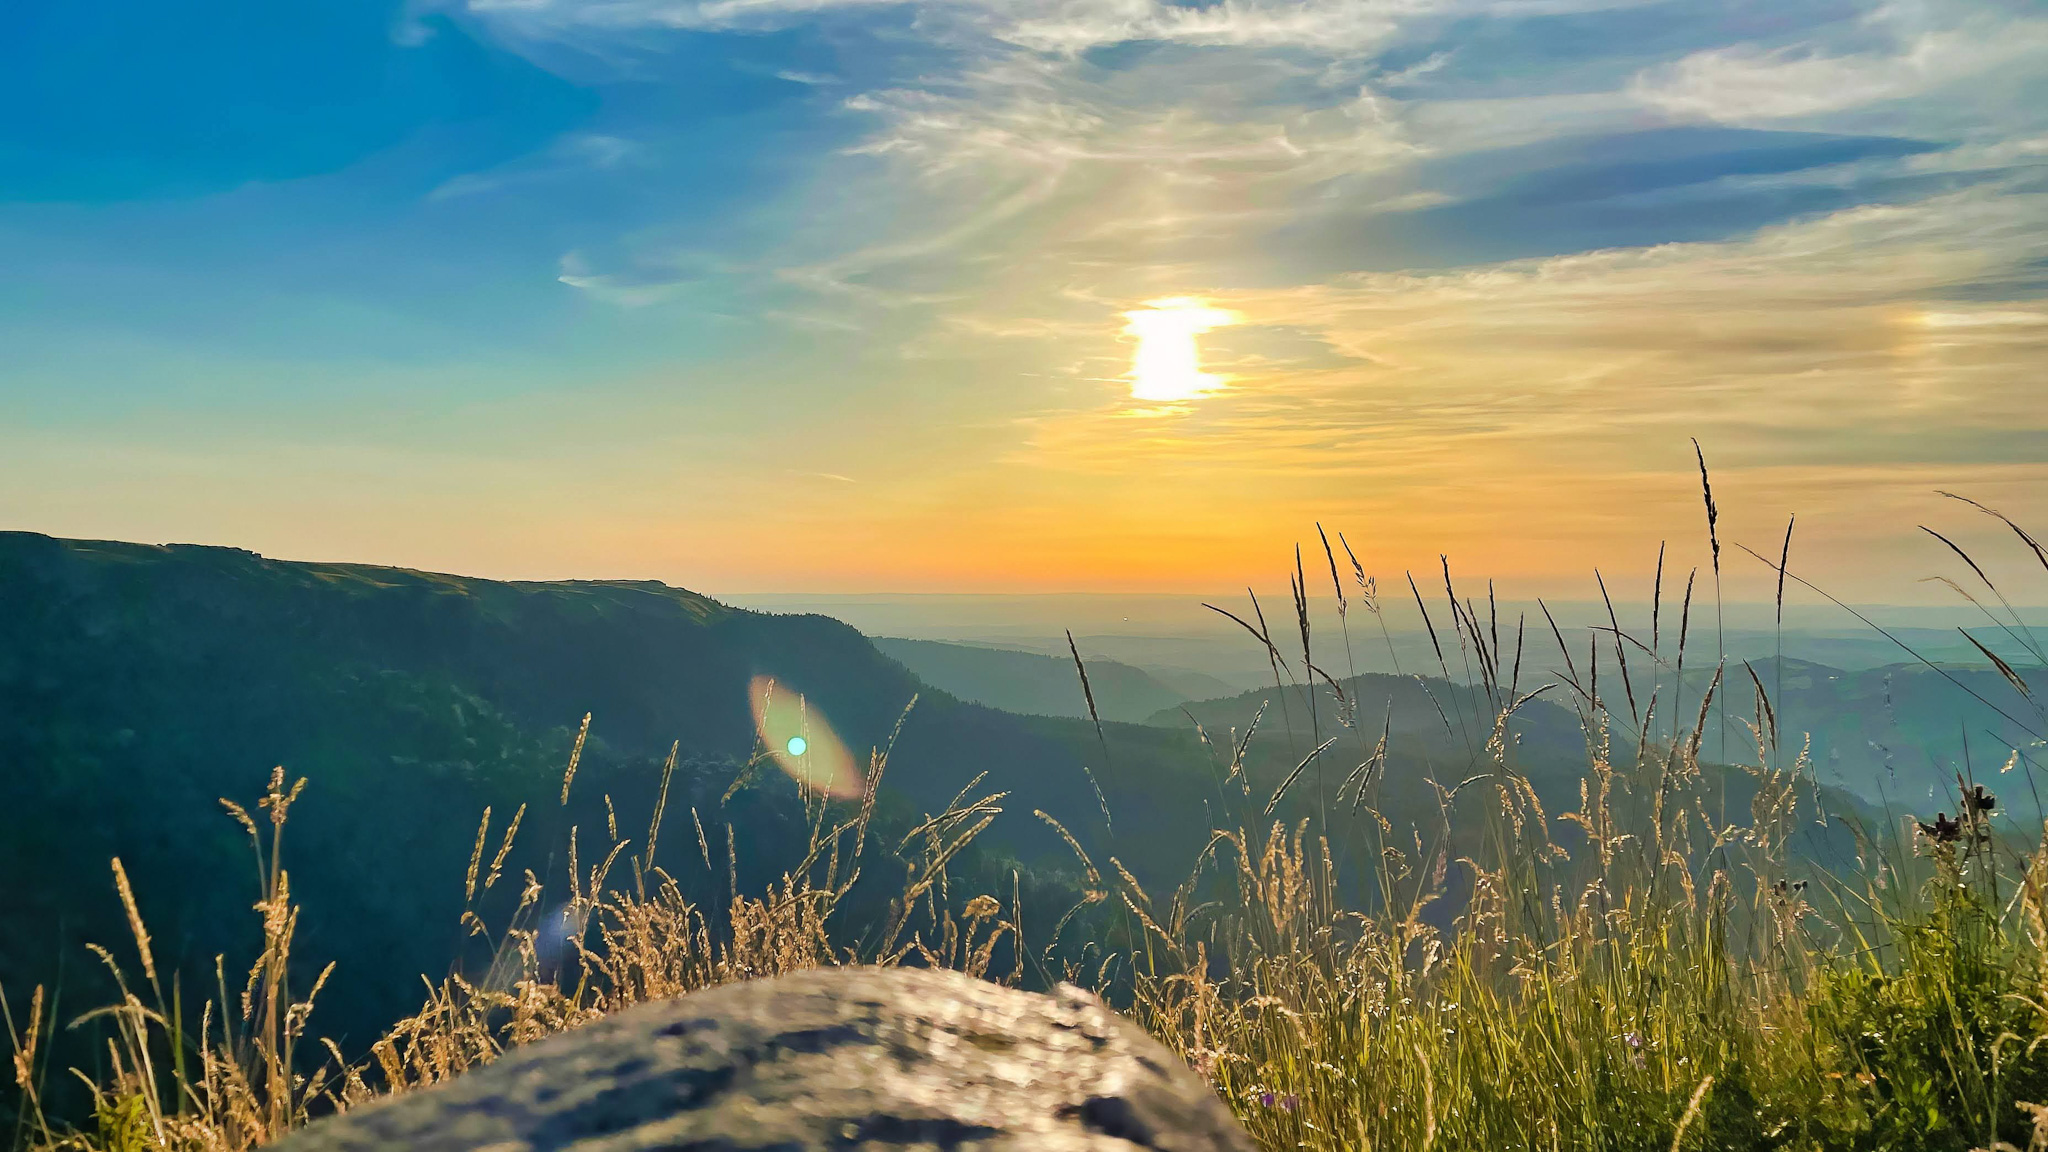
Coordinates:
[1167,364]
[800,741]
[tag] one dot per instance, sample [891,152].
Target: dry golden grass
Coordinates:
[1619,999]
[242,1080]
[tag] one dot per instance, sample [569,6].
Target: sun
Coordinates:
[1167,364]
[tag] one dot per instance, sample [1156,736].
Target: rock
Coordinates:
[849,1058]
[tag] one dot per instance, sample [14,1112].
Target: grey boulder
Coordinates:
[848,1058]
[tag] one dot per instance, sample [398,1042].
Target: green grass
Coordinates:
[1643,971]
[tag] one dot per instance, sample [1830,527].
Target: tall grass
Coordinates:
[1642,971]
[1670,985]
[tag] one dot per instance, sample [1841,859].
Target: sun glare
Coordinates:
[1167,364]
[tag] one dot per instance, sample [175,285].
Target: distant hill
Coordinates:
[1030,683]
[140,683]
[1434,721]
[1903,732]
[1188,683]
[1896,735]
[1436,732]
[1437,741]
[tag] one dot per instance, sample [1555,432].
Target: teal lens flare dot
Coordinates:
[798,745]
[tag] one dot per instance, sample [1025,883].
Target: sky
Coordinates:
[1031,295]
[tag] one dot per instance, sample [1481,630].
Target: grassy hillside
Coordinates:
[138,684]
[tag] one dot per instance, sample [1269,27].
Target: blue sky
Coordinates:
[828,294]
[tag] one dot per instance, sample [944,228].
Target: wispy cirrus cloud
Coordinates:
[1479,246]
[1210,127]
[1896,53]
[568,156]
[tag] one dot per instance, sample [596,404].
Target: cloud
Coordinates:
[1330,28]
[630,288]
[1480,293]
[1178,137]
[1984,319]
[571,155]
[1922,50]
[1822,340]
